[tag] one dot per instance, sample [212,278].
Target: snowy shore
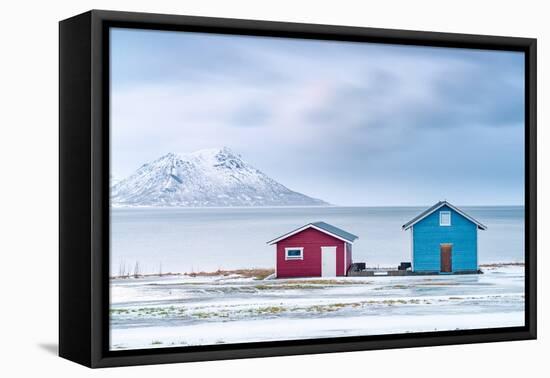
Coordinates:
[181,310]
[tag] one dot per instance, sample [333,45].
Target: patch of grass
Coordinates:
[258,274]
[392,302]
[149,311]
[500,265]
[334,282]
[397,287]
[331,307]
[261,274]
[339,305]
[306,284]
[210,315]
[202,314]
[156,342]
[400,287]
[118,311]
[265,287]
[270,310]
[286,286]
[316,308]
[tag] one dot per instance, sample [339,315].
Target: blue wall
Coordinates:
[428,235]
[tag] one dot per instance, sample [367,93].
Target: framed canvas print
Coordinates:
[235,188]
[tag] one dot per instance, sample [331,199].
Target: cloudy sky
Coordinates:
[350,123]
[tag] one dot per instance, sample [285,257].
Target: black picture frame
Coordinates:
[84,188]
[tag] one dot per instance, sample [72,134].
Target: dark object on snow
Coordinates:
[404,266]
[358,267]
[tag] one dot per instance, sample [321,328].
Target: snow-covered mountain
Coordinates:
[113,180]
[205,178]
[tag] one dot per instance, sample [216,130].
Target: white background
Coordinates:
[29,186]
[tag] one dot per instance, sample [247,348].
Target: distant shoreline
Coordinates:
[261,273]
[503,264]
[225,207]
[119,207]
[258,273]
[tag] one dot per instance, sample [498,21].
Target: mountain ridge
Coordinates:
[213,177]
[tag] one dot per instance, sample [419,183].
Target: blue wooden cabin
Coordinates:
[444,240]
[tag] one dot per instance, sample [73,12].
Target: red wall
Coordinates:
[312,241]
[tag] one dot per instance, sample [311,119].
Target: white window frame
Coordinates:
[301,249]
[441,213]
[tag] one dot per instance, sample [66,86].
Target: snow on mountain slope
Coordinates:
[113,180]
[205,178]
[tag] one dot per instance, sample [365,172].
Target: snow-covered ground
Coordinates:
[183,310]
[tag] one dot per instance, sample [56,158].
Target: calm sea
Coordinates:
[206,239]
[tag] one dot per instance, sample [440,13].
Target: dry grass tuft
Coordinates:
[258,274]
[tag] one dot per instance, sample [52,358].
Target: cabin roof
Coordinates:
[438,206]
[326,228]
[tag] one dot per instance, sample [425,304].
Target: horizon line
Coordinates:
[292,207]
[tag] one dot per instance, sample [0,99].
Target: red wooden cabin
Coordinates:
[315,250]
